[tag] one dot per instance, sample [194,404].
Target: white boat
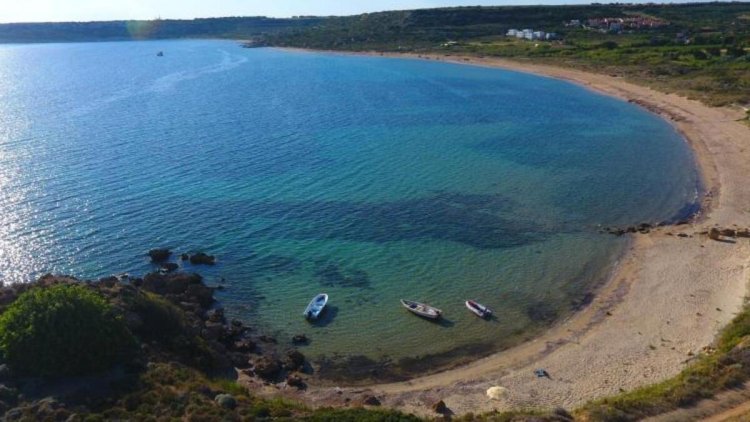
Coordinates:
[422,309]
[316,306]
[479,310]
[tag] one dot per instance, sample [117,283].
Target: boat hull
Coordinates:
[478,309]
[316,306]
[421,309]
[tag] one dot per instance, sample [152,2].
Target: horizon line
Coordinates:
[304,16]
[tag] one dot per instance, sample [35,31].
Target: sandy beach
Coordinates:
[664,303]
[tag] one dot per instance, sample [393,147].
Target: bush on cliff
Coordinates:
[63,330]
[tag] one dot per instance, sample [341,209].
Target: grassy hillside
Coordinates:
[700,50]
[243,27]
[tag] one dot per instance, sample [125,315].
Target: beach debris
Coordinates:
[541,373]
[496,392]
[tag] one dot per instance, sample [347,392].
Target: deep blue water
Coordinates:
[369,178]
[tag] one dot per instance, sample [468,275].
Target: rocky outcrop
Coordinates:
[370,401]
[226,401]
[440,407]
[727,233]
[642,228]
[295,381]
[294,360]
[169,267]
[267,367]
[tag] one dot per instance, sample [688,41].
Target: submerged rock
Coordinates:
[300,339]
[202,259]
[159,255]
[169,267]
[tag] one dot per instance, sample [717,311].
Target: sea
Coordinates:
[368,178]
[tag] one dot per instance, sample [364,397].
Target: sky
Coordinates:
[90,10]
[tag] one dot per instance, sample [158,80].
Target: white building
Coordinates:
[512,32]
[528,34]
[538,35]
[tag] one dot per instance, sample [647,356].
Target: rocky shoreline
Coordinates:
[176,319]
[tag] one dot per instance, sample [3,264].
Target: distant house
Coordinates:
[531,34]
[621,24]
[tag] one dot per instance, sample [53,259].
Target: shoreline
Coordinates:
[663,301]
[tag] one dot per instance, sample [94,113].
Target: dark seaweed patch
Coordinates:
[361,369]
[541,312]
[273,264]
[332,275]
[481,221]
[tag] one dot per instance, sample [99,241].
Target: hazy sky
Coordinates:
[86,10]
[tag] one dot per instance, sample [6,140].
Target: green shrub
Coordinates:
[63,330]
[166,328]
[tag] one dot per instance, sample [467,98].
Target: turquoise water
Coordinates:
[368,178]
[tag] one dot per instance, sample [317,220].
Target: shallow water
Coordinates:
[369,178]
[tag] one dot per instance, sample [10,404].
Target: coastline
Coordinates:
[663,302]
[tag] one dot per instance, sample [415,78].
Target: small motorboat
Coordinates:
[478,309]
[316,306]
[160,54]
[422,309]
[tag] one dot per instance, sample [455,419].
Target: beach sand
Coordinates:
[665,301]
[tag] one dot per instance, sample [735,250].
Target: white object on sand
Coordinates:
[496,393]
